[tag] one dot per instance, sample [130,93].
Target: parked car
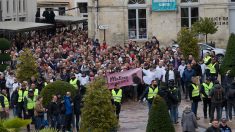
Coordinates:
[204,48]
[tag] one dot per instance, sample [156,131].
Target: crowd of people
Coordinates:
[71,56]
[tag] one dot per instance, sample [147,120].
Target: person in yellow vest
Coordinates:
[214,69]
[4,105]
[22,92]
[35,90]
[74,81]
[117,99]
[207,60]
[206,87]
[150,93]
[29,104]
[194,95]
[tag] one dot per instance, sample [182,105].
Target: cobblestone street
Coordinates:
[134,117]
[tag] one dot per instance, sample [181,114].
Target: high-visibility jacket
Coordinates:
[195,91]
[36,92]
[117,97]
[45,84]
[212,68]
[22,95]
[207,88]
[152,93]
[6,102]
[206,59]
[31,103]
[74,83]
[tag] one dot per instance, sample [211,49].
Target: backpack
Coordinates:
[218,94]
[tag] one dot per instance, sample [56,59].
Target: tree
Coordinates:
[98,113]
[159,118]
[13,124]
[205,26]
[188,43]
[56,88]
[229,61]
[4,56]
[27,66]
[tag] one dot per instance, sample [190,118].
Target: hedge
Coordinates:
[55,88]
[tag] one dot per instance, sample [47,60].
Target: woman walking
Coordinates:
[188,122]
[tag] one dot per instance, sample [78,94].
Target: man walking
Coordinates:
[217,96]
[4,105]
[194,95]
[54,113]
[29,104]
[187,76]
[231,100]
[206,87]
[22,92]
[117,99]
[68,111]
[150,93]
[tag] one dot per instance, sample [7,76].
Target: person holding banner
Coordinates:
[117,99]
[150,93]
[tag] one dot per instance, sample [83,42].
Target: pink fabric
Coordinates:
[124,78]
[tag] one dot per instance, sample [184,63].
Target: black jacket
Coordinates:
[212,129]
[198,70]
[231,93]
[77,104]
[167,96]
[14,98]
[54,109]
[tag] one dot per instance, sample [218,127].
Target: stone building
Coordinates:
[18,10]
[141,19]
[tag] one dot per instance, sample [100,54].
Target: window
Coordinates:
[189,15]
[7,6]
[137,23]
[136,2]
[61,11]
[189,1]
[82,7]
[22,19]
[14,6]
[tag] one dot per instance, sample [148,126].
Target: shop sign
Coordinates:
[164,5]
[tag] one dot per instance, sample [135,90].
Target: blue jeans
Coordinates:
[38,122]
[194,107]
[173,113]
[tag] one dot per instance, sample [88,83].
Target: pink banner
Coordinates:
[124,78]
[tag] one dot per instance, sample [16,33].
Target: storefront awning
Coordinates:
[14,26]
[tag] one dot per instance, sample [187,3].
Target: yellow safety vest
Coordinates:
[207,88]
[117,97]
[36,92]
[152,93]
[212,68]
[206,59]
[6,102]
[31,103]
[195,91]
[74,83]
[45,84]
[22,95]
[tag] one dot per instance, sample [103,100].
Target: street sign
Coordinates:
[103,26]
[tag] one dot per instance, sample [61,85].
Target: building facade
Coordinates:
[141,19]
[18,10]
[60,7]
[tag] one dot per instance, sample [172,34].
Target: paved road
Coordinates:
[134,116]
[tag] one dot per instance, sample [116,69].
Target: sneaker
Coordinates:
[210,123]
[197,118]
[230,121]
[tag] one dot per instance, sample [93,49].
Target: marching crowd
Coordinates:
[71,56]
